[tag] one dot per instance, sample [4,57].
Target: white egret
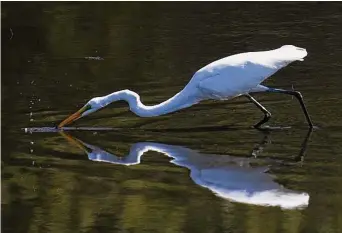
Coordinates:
[223,79]
[229,177]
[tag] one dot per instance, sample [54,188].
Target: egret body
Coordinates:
[229,77]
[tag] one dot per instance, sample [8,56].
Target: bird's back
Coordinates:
[271,59]
[237,74]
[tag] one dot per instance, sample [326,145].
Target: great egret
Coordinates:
[229,177]
[223,79]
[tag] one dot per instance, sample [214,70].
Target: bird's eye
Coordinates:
[87,107]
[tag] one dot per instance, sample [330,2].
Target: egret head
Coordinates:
[92,106]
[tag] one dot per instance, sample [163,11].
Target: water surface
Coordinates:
[56,56]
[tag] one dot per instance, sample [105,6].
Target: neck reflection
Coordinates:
[229,177]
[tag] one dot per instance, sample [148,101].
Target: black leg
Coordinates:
[262,108]
[299,96]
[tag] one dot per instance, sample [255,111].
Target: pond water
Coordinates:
[202,169]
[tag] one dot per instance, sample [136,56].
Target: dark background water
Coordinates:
[49,185]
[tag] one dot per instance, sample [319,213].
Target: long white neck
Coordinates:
[179,101]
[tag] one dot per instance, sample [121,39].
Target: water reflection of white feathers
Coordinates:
[227,176]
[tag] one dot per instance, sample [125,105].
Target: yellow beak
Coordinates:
[73,117]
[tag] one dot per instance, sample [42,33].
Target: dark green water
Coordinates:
[49,183]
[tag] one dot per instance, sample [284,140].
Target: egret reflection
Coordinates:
[229,177]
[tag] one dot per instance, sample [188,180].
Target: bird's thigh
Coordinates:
[227,89]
